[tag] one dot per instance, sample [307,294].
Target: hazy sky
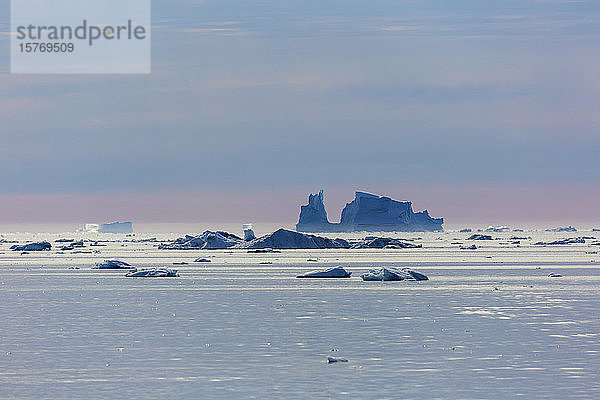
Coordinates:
[476,110]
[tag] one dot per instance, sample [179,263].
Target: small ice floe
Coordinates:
[72,245]
[466,230]
[393,274]
[202,260]
[471,247]
[497,228]
[180,263]
[563,241]
[265,250]
[112,264]
[562,229]
[157,272]
[335,359]
[553,275]
[478,236]
[313,260]
[265,262]
[39,246]
[373,242]
[336,272]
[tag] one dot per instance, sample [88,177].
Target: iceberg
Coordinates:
[209,240]
[116,227]
[367,212]
[157,272]
[265,250]
[38,246]
[335,272]
[248,232]
[492,228]
[384,243]
[478,236]
[562,241]
[562,229]
[393,274]
[286,239]
[112,264]
[280,239]
[331,360]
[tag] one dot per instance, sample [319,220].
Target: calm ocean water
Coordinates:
[489,323]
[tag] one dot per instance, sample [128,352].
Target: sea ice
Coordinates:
[335,359]
[112,264]
[393,274]
[209,240]
[492,228]
[478,236]
[562,229]
[382,242]
[563,241]
[335,272]
[286,239]
[157,272]
[38,246]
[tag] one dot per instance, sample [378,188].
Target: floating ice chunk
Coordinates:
[471,247]
[478,236]
[335,359]
[553,275]
[202,260]
[384,243]
[209,240]
[265,250]
[39,246]
[497,228]
[112,264]
[157,272]
[286,239]
[562,229]
[563,241]
[335,272]
[393,274]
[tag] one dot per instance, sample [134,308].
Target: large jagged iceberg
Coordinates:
[367,212]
